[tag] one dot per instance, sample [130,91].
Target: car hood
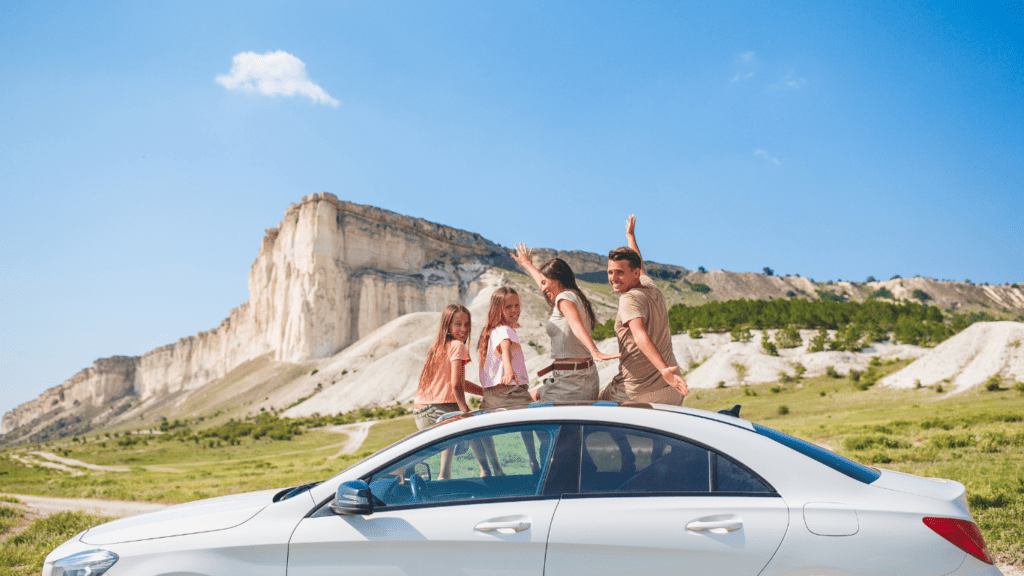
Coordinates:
[192,518]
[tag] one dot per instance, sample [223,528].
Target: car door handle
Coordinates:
[506,527]
[716,525]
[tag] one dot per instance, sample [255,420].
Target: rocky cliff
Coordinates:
[331,272]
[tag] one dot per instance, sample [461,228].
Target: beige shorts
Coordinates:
[427,416]
[506,397]
[571,386]
[616,392]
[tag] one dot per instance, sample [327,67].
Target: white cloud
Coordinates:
[272,73]
[762,154]
[790,80]
[741,76]
[747,57]
[746,60]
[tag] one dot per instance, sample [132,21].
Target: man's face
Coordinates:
[622,277]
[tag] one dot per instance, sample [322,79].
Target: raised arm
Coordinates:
[631,241]
[638,326]
[572,314]
[524,257]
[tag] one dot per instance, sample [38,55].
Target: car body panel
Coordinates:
[649,535]
[439,540]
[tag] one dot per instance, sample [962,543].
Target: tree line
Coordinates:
[907,322]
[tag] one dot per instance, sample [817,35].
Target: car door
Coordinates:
[656,505]
[436,513]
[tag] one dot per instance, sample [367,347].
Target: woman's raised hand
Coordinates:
[523,255]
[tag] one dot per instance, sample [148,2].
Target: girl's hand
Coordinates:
[630,225]
[507,377]
[601,357]
[523,255]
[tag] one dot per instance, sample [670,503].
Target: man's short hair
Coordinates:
[627,254]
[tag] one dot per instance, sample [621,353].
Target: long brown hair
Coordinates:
[558,269]
[495,318]
[439,351]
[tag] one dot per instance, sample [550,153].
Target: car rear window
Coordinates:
[834,461]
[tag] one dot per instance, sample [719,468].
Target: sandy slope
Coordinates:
[968,359]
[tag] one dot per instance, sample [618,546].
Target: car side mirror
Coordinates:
[353,497]
[423,471]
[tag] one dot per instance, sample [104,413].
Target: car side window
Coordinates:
[625,460]
[731,477]
[509,462]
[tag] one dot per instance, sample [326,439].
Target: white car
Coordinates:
[572,490]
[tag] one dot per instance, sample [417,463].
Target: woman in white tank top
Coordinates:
[573,373]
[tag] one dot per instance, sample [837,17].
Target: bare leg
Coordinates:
[531,451]
[481,457]
[492,456]
[446,464]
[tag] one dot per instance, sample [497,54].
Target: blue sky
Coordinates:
[831,140]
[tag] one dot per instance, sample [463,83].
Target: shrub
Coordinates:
[1019,387]
[868,441]
[748,392]
[854,375]
[768,271]
[699,287]
[871,279]
[775,389]
[603,331]
[741,370]
[921,295]
[769,347]
[819,341]
[798,370]
[741,333]
[786,378]
[790,294]
[830,371]
[721,384]
[695,333]
[993,384]
[950,440]
[883,292]
[701,269]
[788,337]
[783,410]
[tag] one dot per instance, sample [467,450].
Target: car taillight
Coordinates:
[963,534]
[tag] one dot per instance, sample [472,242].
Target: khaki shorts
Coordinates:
[571,386]
[427,416]
[506,397]
[616,392]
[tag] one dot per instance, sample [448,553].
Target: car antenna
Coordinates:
[735,412]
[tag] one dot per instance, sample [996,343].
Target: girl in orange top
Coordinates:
[443,384]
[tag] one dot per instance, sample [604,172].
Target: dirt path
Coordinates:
[357,434]
[79,463]
[40,506]
[54,465]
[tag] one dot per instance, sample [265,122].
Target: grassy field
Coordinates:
[976,438]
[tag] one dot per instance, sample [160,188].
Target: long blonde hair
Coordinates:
[439,351]
[495,318]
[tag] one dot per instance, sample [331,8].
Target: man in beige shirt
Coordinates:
[648,371]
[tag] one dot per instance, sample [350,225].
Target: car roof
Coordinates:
[583,407]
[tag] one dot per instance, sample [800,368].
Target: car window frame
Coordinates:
[772,493]
[511,426]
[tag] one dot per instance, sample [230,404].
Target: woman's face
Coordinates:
[459,328]
[550,287]
[511,310]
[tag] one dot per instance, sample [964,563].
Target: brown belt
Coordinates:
[566,366]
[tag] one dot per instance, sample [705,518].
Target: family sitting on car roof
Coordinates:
[648,371]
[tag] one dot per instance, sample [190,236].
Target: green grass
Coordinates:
[23,553]
[976,438]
